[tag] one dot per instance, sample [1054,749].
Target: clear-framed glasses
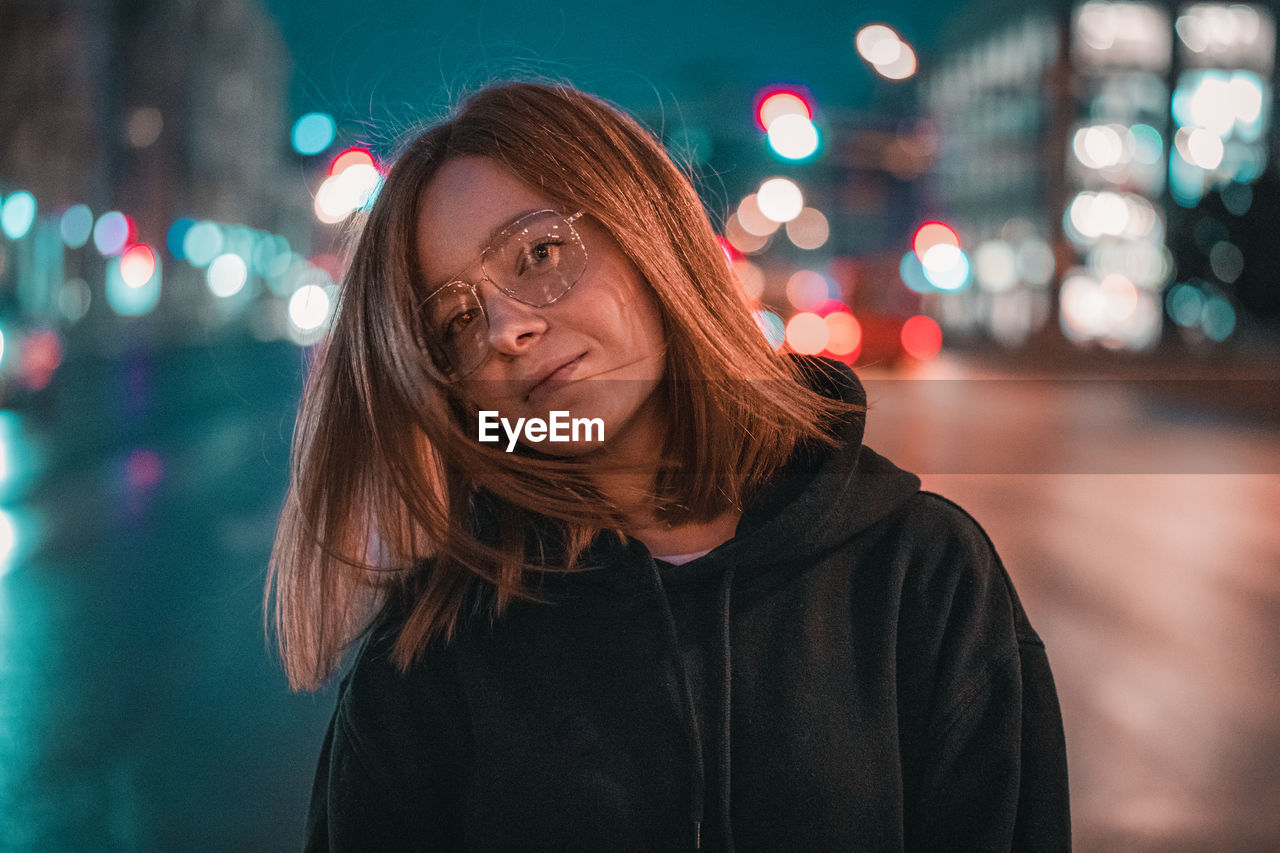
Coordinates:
[535,260]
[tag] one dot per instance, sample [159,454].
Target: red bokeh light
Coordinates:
[351,157]
[921,337]
[933,234]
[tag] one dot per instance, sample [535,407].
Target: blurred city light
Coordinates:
[775,103]
[347,190]
[933,234]
[742,239]
[809,230]
[351,157]
[176,238]
[127,300]
[793,136]
[807,333]
[946,266]
[143,126]
[8,542]
[112,232]
[780,199]
[844,333]
[889,55]
[137,265]
[40,358]
[911,272]
[806,290]
[752,219]
[76,225]
[226,275]
[921,337]
[74,298]
[19,215]
[309,308]
[201,243]
[313,133]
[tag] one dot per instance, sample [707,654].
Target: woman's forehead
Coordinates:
[463,207]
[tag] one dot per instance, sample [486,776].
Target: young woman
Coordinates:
[690,609]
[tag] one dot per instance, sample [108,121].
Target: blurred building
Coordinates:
[120,118]
[1074,140]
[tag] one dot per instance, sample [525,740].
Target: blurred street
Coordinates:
[142,709]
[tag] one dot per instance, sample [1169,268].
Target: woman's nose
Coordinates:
[513,326]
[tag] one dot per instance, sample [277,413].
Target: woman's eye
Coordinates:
[541,256]
[458,323]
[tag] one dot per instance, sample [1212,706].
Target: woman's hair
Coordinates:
[392,499]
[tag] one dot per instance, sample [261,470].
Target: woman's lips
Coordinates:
[558,377]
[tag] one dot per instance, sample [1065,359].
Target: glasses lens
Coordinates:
[456,330]
[537,259]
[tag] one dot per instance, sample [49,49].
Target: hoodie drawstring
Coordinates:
[691,718]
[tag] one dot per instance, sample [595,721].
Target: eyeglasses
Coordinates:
[535,260]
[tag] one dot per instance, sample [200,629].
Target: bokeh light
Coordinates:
[844,333]
[806,290]
[137,265]
[995,266]
[112,232]
[76,225]
[202,243]
[878,44]
[309,308]
[227,275]
[921,337]
[783,102]
[18,215]
[344,192]
[902,67]
[809,230]
[1218,319]
[742,239]
[176,238]
[780,199]
[793,136]
[351,157]
[313,133]
[807,333]
[933,234]
[752,219]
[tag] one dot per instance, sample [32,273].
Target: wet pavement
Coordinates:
[141,709]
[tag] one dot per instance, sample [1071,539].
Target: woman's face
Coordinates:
[596,352]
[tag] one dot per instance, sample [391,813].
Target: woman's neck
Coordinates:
[635,457]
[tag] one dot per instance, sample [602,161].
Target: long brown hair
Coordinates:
[387,485]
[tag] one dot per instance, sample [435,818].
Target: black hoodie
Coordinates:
[852,671]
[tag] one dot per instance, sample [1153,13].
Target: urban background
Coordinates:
[1044,233]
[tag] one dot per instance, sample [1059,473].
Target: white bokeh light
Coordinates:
[227,275]
[780,199]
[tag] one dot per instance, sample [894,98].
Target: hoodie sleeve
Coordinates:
[985,765]
[350,809]
[386,779]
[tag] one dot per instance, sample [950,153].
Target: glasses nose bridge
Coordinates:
[513,323]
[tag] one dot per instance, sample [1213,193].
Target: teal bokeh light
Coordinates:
[313,133]
[19,215]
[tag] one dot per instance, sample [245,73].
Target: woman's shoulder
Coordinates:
[951,564]
[377,690]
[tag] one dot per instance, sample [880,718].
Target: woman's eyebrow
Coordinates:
[493,235]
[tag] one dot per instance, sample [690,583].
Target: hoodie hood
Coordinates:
[784,531]
[792,520]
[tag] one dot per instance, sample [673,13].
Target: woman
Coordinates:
[710,617]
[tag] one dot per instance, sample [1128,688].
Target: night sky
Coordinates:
[385,63]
